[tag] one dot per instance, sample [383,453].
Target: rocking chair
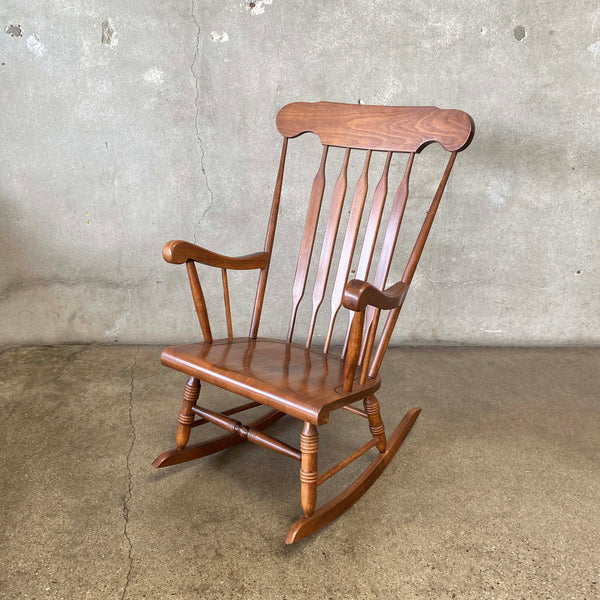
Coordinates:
[301,380]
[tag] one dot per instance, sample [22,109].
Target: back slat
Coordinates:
[333,223]
[358,203]
[371,128]
[308,240]
[366,254]
[368,247]
[391,233]
[389,241]
[409,271]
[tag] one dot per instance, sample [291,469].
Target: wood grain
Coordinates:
[293,379]
[387,128]
[308,241]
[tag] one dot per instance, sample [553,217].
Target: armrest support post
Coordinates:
[199,302]
[359,295]
[354,343]
[178,252]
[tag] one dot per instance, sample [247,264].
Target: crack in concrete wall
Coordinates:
[196,117]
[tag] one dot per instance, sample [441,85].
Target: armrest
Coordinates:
[360,294]
[178,252]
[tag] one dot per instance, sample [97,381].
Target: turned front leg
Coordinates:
[376,427]
[309,446]
[186,416]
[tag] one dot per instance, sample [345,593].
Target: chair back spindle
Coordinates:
[308,240]
[389,130]
[352,229]
[227,304]
[333,223]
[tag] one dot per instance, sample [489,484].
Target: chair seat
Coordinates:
[302,383]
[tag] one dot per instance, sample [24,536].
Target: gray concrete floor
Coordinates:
[495,493]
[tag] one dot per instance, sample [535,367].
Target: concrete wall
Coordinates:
[125,124]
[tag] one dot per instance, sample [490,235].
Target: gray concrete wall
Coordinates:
[125,124]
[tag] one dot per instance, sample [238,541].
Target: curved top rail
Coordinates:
[386,128]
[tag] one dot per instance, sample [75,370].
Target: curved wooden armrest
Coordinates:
[360,294]
[178,252]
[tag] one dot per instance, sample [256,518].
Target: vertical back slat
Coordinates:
[262,278]
[368,246]
[227,304]
[389,244]
[411,265]
[391,233]
[308,240]
[333,222]
[358,203]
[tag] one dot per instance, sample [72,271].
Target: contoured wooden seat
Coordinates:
[302,380]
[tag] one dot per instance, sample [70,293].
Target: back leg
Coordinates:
[186,416]
[376,427]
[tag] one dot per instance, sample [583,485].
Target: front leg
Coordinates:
[309,446]
[186,416]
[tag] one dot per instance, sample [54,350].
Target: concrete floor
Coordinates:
[495,493]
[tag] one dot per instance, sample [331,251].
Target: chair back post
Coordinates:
[270,237]
[410,268]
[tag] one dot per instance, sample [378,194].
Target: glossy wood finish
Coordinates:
[270,237]
[186,416]
[218,444]
[411,266]
[343,501]
[229,411]
[354,350]
[352,229]
[294,378]
[389,245]
[345,462]
[389,128]
[246,432]
[227,304]
[308,241]
[368,247]
[333,222]
[302,383]
[199,302]
[178,252]
[376,427]
[358,295]
[309,446]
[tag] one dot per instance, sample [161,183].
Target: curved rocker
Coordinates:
[192,452]
[343,501]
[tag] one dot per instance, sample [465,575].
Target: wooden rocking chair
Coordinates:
[300,380]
